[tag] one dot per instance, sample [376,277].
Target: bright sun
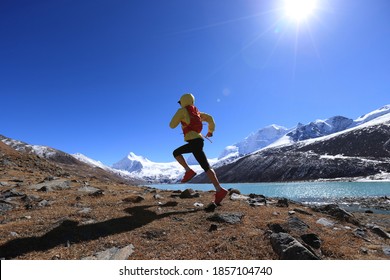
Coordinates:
[299,10]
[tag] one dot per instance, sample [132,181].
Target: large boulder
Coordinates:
[288,248]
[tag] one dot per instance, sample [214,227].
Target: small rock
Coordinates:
[381,232]
[88,189]
[4,207]
[312,240]
[56,257]
[31,198]
[301,211]
[256,196]
[49,178]
[369,212]
[14,234]
[230,218]
[257,201]
[85,210]
[276,228]
[386,250]
[97,193]
[189,193]
[256,204]
[213,227]
[291,212]
[44,189]
[282,203]
[359,232]
[157,197]
[113,254]
[211,207]
[10,193]
[175,195]
[297,224]
[325,222]
[154,234]
[88,222]
[44,203]
[198,204]
[364,250]
[232,191]
[235,196]
[134,199]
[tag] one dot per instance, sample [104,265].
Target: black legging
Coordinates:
[195,147]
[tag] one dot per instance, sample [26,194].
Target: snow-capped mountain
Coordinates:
[319,128]
[361,150]
[98,164]
[59,163]
[152,172]
[132,163]
[20,146]
[265,138]
[42,151]
[255,141]
[89,161]
[372,115]
[274,135]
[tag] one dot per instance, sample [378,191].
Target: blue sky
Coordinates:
[102,77]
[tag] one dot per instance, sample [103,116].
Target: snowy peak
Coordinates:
[256,141]
[131,163]
[372,115]
[359,151]
[151,172]
[41,151]
[20,146]
[89,161]
[133,157]
[275,135]
[319,128]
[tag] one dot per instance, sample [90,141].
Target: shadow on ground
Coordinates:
[71,232]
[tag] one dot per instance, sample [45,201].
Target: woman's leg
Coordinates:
[200,156]
[177,154]
[185,149]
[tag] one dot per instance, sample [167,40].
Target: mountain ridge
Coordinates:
[360,151]
[18,155]
[140,169]
[267,137]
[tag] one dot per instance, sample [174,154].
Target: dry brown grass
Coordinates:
[61,231]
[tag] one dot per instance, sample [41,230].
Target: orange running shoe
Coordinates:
[219,196]
[188,175]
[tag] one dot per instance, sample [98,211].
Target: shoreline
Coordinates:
[373,204]
[376,203]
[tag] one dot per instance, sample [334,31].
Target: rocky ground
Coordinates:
[46,217]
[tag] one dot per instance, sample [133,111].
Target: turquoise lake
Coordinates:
[298,191]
